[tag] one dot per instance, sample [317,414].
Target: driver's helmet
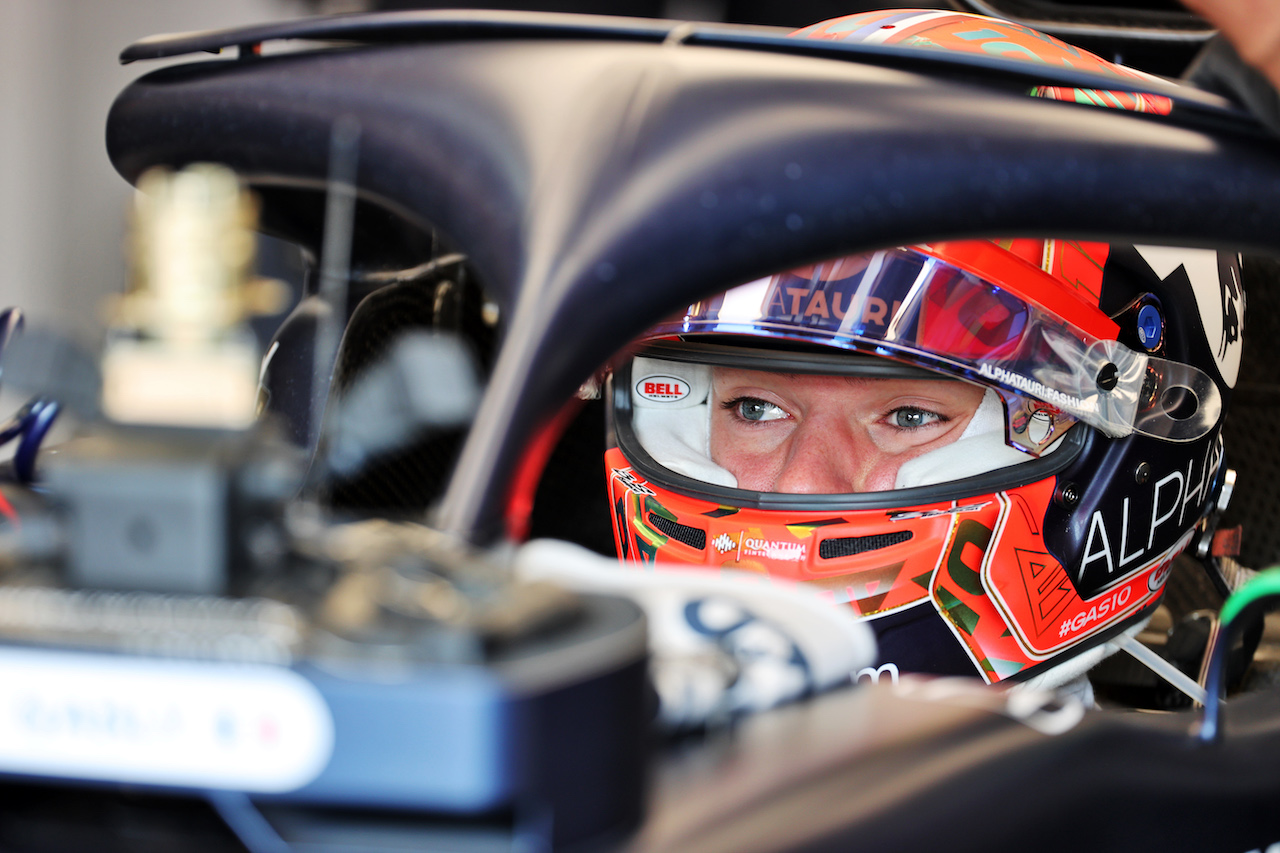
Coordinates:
[991,450]
[983,37]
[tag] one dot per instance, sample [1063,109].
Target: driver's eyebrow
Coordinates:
[863,380]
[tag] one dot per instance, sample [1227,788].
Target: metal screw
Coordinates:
[1150,327]
[1142,473]
[1069,495]
[1108,376]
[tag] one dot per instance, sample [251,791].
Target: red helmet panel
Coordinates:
[981,564]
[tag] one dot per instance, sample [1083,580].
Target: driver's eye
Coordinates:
[909,418]
[752,409]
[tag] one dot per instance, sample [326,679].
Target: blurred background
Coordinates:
[62,205]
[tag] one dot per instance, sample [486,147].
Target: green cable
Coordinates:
[1266,583]
[1253,594]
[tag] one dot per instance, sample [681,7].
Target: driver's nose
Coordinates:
[834,458]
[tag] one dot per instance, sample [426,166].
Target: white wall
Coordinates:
[62,206]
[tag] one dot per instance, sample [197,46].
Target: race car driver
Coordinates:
[992,450]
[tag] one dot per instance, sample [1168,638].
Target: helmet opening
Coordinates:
[669,445]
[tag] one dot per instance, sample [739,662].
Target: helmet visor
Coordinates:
[914,308]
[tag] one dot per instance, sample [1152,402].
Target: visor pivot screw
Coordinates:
[1069,495]
[1142,473]
[1150,326]
[1108,376]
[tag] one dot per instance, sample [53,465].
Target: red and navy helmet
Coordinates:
[930,29]
[1087,458]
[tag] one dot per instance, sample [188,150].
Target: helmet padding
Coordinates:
[678,440]
[980,448]
[677,433]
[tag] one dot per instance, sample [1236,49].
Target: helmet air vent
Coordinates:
[848,546]
[694,537]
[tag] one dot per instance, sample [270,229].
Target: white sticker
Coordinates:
[725,543]
[242,727]
[662,389]
[633,481]
[1221,303]
[790,551]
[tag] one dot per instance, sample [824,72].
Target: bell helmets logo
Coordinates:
[662,389]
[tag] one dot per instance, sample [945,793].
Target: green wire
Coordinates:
[1265,586]
[1266,583]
